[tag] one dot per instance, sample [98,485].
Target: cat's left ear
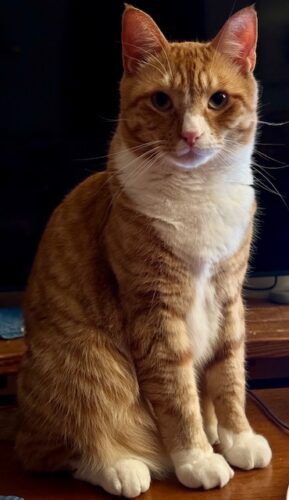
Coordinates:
[141,38]
[238,38]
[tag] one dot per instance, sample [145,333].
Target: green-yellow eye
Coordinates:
[161,101]
[218,100]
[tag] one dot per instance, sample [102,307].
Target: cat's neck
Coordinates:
[153,182]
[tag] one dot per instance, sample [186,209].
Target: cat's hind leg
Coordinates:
[90,419]
[124,463]
[127,477]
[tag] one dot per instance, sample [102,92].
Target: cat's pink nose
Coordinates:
[190,137]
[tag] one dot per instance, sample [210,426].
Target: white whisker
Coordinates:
[154,57]
[142,63]
[118,153]
[273,124]
[263,155]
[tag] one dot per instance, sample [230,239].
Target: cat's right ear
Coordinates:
[141,38]
[238,38]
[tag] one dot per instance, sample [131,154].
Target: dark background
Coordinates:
[60,68]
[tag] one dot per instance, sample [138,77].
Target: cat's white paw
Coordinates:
[245,450]
[197,468]
[127,477]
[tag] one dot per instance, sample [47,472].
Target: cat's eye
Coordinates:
[161,101]
[218,100]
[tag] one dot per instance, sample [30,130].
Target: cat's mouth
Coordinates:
[192,158]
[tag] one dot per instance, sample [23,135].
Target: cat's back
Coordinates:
[78,220]
[70,262]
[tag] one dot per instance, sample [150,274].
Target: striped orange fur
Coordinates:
[133,311]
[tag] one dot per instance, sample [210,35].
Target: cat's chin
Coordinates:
[190,160]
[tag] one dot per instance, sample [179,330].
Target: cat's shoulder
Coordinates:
[94,187]
[85,207]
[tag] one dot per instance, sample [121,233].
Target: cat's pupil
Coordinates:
[218,99]
[161,101]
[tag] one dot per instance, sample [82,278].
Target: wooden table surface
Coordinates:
[270,483]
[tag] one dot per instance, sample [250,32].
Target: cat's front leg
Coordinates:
[226,383]
[210,421]
[163,360]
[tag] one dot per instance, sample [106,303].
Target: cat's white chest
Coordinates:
[203,218]
[203,321]
[205,227]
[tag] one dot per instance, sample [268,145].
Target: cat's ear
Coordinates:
[238,38]
[141,38]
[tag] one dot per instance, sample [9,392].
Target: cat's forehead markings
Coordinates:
[203,80]
[192,68]
[213,81]
[177,79]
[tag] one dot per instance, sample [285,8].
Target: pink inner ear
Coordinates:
[246,35]
[140,38]
[238,38]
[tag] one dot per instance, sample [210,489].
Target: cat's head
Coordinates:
[189,102]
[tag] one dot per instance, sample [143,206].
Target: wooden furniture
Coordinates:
[266,484]
[267,343]
[11,352]
[268,329]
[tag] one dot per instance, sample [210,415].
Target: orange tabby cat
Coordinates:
[134,315]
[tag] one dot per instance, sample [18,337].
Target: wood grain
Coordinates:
[11,352]
[270,483]
[268,330]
